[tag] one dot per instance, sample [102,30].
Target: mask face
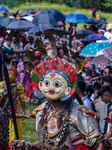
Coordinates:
[54,86]
[12,76]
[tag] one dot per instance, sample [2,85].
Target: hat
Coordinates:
[109,27]
[75,41]
[31,35]
[46,41]
[101,30]
[103,89]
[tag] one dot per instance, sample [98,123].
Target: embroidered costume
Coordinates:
[71,126]
[17,95]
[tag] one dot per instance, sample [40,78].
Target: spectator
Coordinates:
[101,107]
[94,13]
[31,39]
[8,52]
[106,95]
[107,70]
[85,27]
[17,50]
[89,91]
[80,91]
[103,27]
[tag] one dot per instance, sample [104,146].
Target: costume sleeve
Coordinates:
[88,128]
[20,89]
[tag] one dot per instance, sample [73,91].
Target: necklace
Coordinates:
[55,141]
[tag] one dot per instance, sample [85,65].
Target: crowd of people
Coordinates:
[94,84]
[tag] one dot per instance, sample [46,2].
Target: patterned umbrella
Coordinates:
[91,49]
[99,61]
[77,18]
[108,52]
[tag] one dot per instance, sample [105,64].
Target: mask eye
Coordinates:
[47,83]
[57,84]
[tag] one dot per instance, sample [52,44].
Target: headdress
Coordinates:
[66,67]
[59,66]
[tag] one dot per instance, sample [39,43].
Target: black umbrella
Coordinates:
[21,25]
[93,21]
[100,22]
[83,33]
[27,11]
[59,32]
[6,21]
[48,16]
[16,12]
[40,28]
[57,24]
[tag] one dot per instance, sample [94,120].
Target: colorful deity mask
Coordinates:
[13,73]
[54,79]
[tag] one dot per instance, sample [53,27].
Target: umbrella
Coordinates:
[100,61]
[57,24]
[16,12]
[37,11]
[84,33]
[6,21]
[28,18]
[27,11]
[21,25]
[91,49]
[4,9]
[100,22]
[40,28]
[59,32]
[48,16]
[93,21]
[77,18]
[108,52]
[94,37]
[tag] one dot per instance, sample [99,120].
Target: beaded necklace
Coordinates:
[55,141]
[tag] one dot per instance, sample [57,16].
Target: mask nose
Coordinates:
[51,91]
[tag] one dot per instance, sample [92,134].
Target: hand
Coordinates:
[107,135]
[107,119]
[30,116]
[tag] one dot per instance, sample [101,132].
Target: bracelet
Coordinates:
[22,116]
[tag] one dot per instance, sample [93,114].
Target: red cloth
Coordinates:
[81,147]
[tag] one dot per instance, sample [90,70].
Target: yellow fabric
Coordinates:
[1,84]
[12,135]
[20,89]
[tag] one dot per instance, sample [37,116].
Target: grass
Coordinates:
[63,8]
[29,125]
